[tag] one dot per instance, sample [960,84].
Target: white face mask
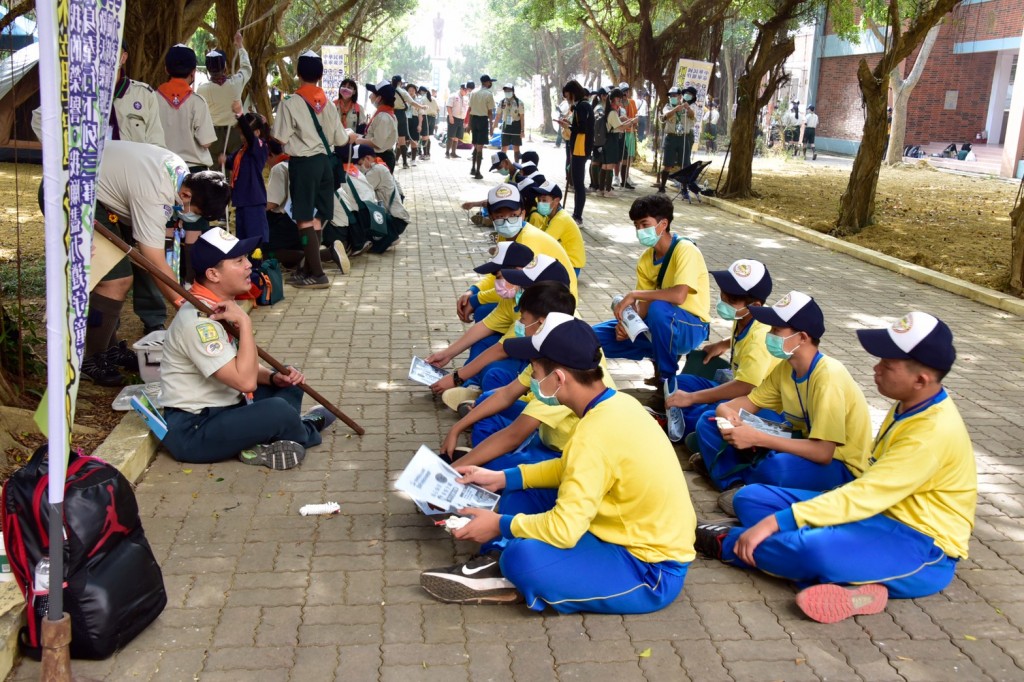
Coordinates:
[509,95]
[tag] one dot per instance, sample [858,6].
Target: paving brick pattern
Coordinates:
[255,589]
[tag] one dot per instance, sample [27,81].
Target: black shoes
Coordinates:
[710,536]
[122,356]
[320,418]
[97,368]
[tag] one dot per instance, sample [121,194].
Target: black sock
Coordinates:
[185,271]
[664,179]
[403,152]
[311,249]
[608,176]
[101,325]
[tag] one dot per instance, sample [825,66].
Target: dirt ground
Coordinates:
[956,224]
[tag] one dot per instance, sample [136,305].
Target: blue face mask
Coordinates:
[189,217]
[508,227]
[519,329]
[550,400]
[777,346]
[519,295]
[544,208]
[503,171]
[648,236]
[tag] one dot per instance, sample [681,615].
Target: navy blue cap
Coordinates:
[530,157]
[916,336]
[216,61]
[497,159]
[795,310]
[506,255]
[180,59]
[543,268]
[218,244]
[562,339]
[362,151]
[548,189]
[745,277]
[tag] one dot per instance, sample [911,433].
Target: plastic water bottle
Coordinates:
[41,587]
[631,320]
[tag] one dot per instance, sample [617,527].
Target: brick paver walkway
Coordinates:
[259,592]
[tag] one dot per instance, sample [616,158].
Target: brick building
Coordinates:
[967,93]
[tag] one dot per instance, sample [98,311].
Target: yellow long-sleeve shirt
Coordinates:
[564,229]
[921,473]
[618,478]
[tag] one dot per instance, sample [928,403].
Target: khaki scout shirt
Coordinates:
[481,102]
[188,130]
[294,127]
[194,349]
[220,97]
[138,115]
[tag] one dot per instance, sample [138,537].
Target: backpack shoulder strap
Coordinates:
[667,259]
[319,129]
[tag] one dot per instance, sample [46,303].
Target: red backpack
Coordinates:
[113,587]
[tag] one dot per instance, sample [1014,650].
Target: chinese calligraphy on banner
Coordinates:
[691,73]
[333,57]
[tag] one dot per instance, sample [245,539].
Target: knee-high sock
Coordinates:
[664,179]
[403,152]
[101,325]
[595,175]
[311,250]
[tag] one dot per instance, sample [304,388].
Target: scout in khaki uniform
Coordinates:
[219,402]
[222,90]
[136,112]
[510,116]
[900,529]
[678,117]
[456,110]
[139,188]
[188,128]
[481,115]
[382,130]
[310,173]
[608,527]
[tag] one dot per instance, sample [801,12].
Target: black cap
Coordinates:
[383,89]
[562,339]
[180,59]
[530,157]
[916,336]
[310,67]
[795,310]
[216,62]
[745,277]
[542,268]
[217,245]
[506,255]
[486,79]
[470,85]
[396,79]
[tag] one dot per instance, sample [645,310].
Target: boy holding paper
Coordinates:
[599,529]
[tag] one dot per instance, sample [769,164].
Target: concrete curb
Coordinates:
[131,448]
[980,294]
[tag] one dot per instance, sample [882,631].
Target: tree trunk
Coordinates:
[547,127]
[739,181]
[901,91]
[1017,249]
[726,98]
[857,205]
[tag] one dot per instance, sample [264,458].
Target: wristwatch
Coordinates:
[457,379]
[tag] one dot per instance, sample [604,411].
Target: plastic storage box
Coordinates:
[150,349]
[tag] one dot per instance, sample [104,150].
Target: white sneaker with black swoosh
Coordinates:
[478,581]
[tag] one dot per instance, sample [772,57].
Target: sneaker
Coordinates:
[478,176]
[413,162]
[814,156]
[478,581]
[709,538]
[122,356]
[310,282]
[657,416]
[833,603]
[726,498]
[97,368]
[447,155]
[579,221]
[464,407]
[362,249]
[692,443]
[628,185]
[697,464]
[283,454]
[320,418]
[340,257]
[454,397]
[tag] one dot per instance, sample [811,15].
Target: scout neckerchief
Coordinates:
[314,97]
[803,380]
[119,90]
[175,91]
[913,410]
[219,78]
[345,107]
[381,109]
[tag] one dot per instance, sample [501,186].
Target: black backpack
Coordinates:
[600,129]
[113,587]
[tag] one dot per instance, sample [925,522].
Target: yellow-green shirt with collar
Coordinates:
[830,399]
[921,472]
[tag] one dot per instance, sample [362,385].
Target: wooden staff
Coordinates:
[152,269]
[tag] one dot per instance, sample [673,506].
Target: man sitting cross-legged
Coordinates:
[901,527]
[219,402]
[608,527]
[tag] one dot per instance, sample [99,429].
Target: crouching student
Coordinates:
[219,402]
[386,190]
[901,527]
[813,392]
[672,294]
[509,426]
[550,217]
[608,527]
[746,284]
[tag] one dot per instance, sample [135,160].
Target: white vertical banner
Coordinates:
[692,73]
[333,57]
